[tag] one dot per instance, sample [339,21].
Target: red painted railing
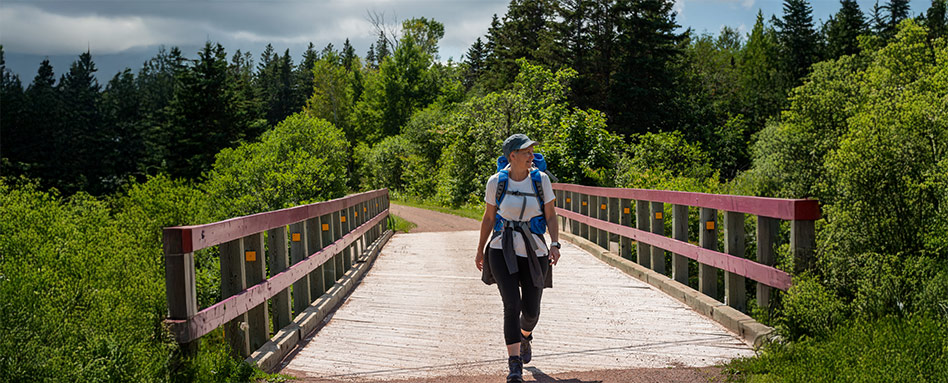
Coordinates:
[605,217]
[322,243]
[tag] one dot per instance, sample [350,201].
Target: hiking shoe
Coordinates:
[526,352]
[516,370]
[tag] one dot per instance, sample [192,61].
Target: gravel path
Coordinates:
[432,221]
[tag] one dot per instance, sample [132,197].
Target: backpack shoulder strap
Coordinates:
[537,185]
[503,177]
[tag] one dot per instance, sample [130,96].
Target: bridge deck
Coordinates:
[422,312]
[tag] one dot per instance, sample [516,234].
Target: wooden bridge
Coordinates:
[626,296]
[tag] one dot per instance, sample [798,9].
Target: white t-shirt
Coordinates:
[511,205]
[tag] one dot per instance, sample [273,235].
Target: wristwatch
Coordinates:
[556,245]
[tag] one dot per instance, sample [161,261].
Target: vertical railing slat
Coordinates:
[643,252]
[658,227]
[625,243]
[233,281]
[279,261]
[680,232]
[766,245]
[255,268]
[735,294]
[301,291]
[707,274]
[316,284]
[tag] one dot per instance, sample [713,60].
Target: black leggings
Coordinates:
[510,286]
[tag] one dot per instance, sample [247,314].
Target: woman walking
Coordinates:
[519,199]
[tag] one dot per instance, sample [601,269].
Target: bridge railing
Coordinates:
[605,216]
[306,249]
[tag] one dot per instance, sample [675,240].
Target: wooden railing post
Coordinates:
[233,281]
[330,273]
[301,291]
[335,232]
[735,294]
[180,286]
[680,232]
[658,227]
[602,236]
[574,200]
[766,244]
[708,275]
[279,261]
[584,210]
[258,318]
[643,252]
[802,245]
[625,243]
[614,217]
[594,213]
[316,285]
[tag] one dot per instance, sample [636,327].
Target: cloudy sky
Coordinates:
[125,33]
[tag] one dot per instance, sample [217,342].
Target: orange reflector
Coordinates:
[325,227]
[296,237]
[365,209]
[626,210]
[584,203]
[603,206]
[343,218]
[658,215]
[250,256]
[567,200]
[709,225]
[357,214]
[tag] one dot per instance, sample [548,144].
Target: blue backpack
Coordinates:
[538,223]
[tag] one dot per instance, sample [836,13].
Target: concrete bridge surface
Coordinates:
[422,314]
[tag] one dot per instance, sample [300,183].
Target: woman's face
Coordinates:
[523,158]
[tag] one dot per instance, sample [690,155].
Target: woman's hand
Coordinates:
[554,255]
[479,261]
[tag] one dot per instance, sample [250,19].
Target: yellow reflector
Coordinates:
[343,218]
[325,227]
[626,210]
[603,206]
[296,237]
[357,214]
[709,225]
[567,200]
[584,203]
[658,215]
[250,256]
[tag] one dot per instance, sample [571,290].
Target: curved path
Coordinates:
[422,314]
[432,221]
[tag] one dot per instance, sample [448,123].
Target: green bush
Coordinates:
[890,349]
[302,160]
[811,309]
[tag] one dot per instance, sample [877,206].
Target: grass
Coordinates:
[891,349]
[402,225]
[473,212]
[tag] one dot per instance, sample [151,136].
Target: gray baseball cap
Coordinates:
[516,142]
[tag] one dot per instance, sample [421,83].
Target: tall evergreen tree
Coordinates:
[13,137]
[898,11]
[304,73]
[348,55]
[843,28]
[797,38]
[122,116]
[936,19]
[204,115]
[156,82]
[82,139]
[474,62]
[643,87]
[877,19]
[370,60]
[526,31]
[763,86]
[382,48]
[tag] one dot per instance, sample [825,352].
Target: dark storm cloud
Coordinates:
[68,27]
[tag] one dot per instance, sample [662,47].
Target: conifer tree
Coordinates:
[843,28]
[81,141]
[798,39]
[122,118]
[763,85]
[474,62]
[348,55]
[13,137]
[304,74]
[936,19]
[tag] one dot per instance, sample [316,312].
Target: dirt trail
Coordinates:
[432,221]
